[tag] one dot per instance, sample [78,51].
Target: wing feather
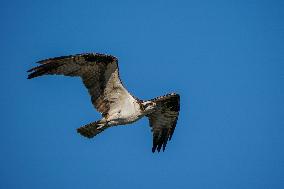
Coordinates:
[164,119]
[99,73]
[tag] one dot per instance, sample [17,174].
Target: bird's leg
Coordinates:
[102,124]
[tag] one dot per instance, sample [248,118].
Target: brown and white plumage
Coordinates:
[100,75]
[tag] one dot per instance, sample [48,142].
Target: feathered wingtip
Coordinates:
[160,141]
[45,66]
[42,69]
[51,65]
[31,75]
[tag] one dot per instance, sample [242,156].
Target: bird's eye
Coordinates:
[149,104]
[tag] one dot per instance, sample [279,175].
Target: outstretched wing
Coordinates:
[99,73]
[163,120]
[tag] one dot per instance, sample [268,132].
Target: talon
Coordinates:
[100,127]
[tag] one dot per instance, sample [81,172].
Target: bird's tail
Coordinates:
[92,129]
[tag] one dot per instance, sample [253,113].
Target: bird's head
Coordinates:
[148,106]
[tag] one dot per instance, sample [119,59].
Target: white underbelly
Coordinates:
[126,115]
[117,120]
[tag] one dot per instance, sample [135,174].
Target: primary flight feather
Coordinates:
[100,75]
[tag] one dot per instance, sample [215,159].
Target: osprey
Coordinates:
[100,75]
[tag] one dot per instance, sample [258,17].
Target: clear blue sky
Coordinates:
[225,58]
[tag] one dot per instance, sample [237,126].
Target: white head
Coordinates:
[148,106]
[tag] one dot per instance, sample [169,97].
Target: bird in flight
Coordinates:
[100,75]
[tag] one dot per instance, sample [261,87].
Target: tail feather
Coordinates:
[92,129]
